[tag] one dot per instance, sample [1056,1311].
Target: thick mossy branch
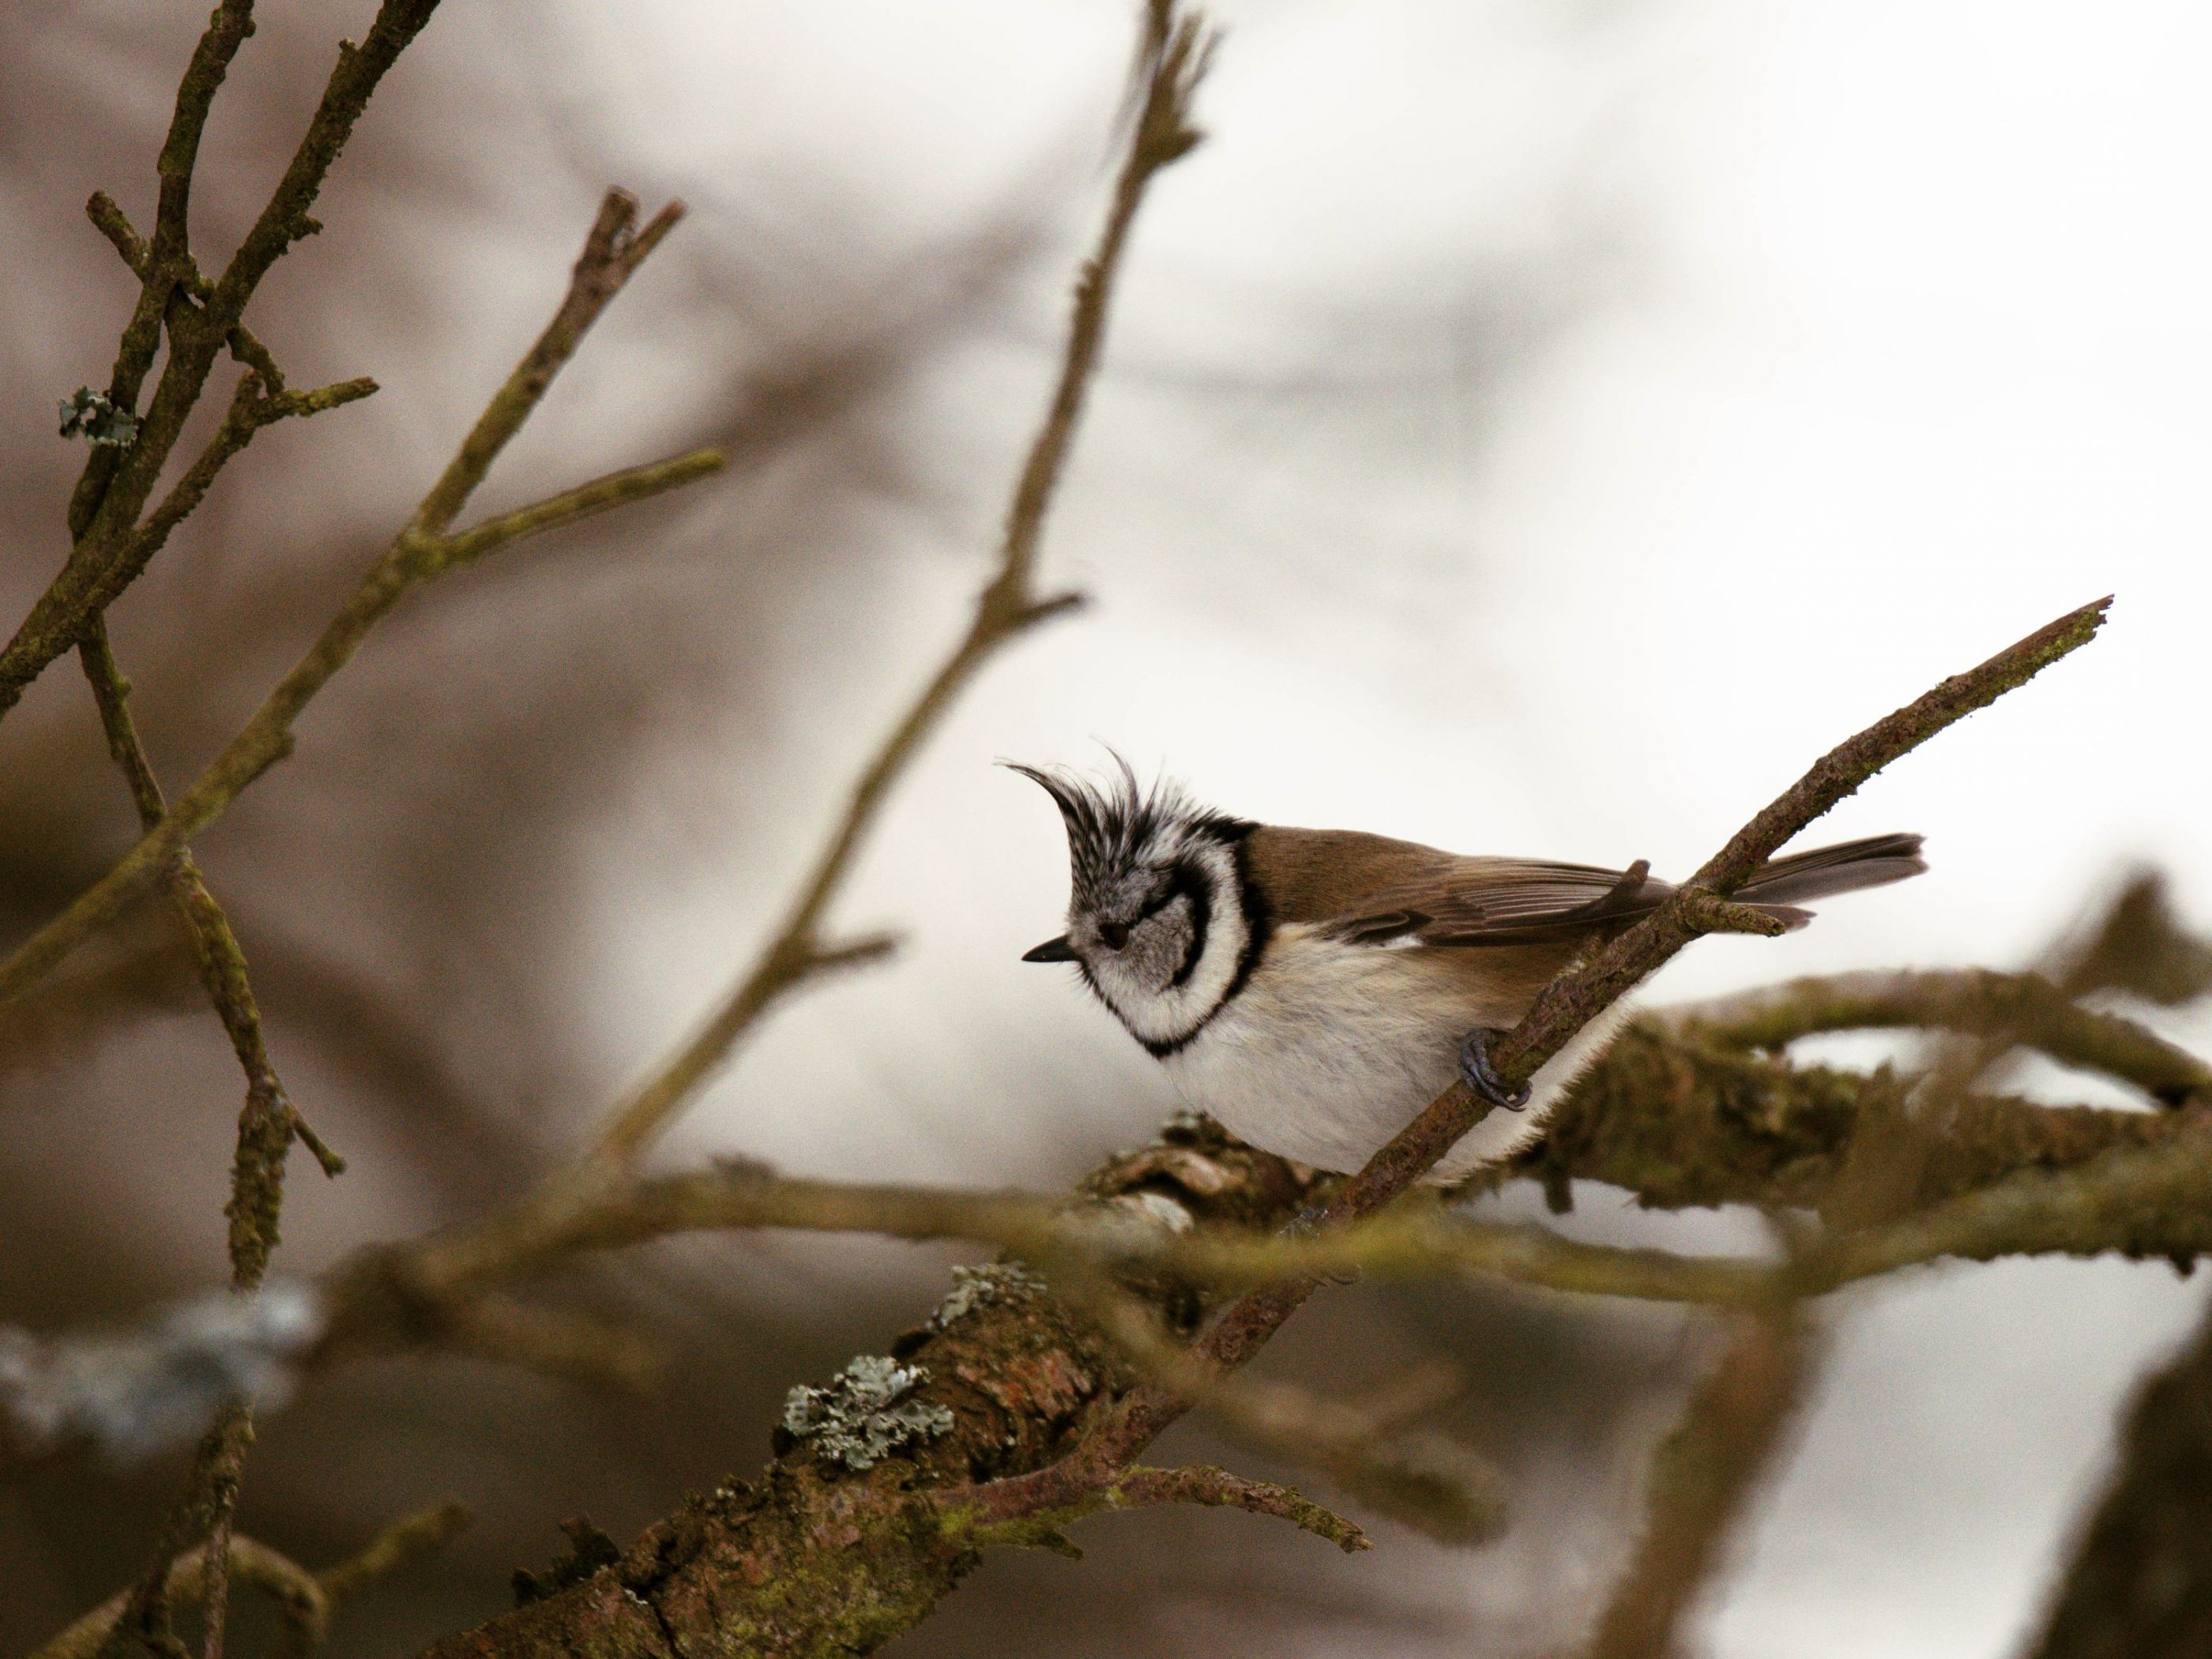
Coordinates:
[816,1558]
[2022,1009]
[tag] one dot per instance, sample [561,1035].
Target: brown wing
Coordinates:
[1501,902]
[1371,889]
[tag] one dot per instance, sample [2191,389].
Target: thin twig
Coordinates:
[269,1121]
[210,1487]
[103,519]
[1143,1488]
[406,1540]
[299,1599]
[303,1599]
[1173,58]
[421,552]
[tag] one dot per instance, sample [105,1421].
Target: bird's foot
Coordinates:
[1475,1071]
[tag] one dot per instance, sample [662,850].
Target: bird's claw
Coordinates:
[1475,1071]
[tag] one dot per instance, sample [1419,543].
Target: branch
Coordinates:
[304,1600]
[2141,949]
[2156,1201]
[108,546]
[1575,997]
[299,1599]
[1681,1124]
[1172,59]
[265,1130]
[635,484]
[2139,1584]
[227,27]
[410,1538]
[1141,1488]
[1703,1474]
[2016,1008]
[270,1121]
[1666,1119]
[422,552]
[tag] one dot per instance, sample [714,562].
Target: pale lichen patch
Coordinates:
[858,1420]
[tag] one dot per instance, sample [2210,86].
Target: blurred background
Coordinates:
[1530,427]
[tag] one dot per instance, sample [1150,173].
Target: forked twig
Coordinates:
[109,545]
[426,549]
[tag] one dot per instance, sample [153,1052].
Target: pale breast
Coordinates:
[1333,1048]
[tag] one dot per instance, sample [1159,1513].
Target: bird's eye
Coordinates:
[1113,935]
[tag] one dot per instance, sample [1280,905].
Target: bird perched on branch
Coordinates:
[1313,989]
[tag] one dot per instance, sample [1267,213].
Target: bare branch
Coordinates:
[1143,1487]
[270,1121]
[117,484]
[2139,1584]
[610,255]
[1172,59]
[2156,1202]
[613,250]
[399,1545]
[300,1601]
[635,484]
[2138,947]
[304,1600]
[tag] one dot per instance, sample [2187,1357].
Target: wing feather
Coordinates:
[1370,889]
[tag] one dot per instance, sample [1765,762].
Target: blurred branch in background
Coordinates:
[2139,1585]
[304,1599]
[1709,1466]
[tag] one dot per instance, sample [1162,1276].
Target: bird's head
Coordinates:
[1159,916]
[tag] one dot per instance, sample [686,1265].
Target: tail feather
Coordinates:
[1875,861]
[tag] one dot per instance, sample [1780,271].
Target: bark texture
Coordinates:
[816,1560]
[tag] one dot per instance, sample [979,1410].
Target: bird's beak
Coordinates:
[1052,950]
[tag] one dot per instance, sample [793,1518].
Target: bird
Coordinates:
[1312,990]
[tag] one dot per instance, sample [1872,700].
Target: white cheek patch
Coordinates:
[1171,1014]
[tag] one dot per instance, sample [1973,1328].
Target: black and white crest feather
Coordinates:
[1114,823]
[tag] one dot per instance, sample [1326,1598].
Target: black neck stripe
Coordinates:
[1191,884]
[1259,928]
